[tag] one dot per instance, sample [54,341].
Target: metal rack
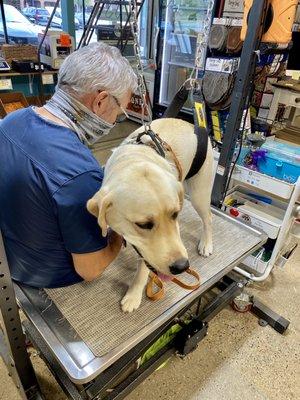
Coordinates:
[98,9]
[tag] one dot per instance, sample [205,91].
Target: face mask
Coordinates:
[122,117]
[87,125]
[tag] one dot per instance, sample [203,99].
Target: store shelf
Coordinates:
[296,27]
[263,182]
[228,21]
[182,65]
[12,73]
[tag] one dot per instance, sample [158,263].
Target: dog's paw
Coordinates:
[205,248]
[131,301]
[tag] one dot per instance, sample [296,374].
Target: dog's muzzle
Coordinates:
[149,266]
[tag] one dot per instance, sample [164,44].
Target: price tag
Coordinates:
[220,170]
[5,84]
[47,79]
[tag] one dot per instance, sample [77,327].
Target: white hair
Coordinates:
[97,66]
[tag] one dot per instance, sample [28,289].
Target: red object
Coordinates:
[135,104]
[65,40]
[234,212]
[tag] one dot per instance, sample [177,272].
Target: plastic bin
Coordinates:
[282,161]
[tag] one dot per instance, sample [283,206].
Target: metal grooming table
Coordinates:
[87,340]
[79,321]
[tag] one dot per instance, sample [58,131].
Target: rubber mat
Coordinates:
[93,309]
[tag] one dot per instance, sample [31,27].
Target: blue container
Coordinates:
[282,161]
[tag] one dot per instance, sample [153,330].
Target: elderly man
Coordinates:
[47,172]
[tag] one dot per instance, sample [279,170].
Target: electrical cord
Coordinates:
[238,154]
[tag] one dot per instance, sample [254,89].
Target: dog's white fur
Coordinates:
[140,186]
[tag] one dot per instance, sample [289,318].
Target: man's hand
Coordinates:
[91,265]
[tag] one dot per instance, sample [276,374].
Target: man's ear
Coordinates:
[98,206]
[100,102]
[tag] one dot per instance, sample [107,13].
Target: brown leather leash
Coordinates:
[155,281]
[160,146]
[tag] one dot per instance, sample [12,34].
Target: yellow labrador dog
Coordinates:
[141,198]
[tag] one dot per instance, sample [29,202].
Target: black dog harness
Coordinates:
[201,133]
[201,151]
[161,147]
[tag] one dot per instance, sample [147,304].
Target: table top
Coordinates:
[291,84]
[83,324]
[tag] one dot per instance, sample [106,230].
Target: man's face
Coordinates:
[109,107]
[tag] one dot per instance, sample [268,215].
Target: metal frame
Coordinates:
[12,341]
[240,97]
[96,14]
[4,21]
[99,385]
[280,241]
[79,362]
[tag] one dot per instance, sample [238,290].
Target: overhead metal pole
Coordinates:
[67,13]
[4,21]
[240,97]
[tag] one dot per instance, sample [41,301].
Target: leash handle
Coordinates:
[151,294]
[154,280]
[185,285]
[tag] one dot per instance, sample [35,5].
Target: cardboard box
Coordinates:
[10,102]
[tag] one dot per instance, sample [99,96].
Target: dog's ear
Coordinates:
[180,194]
[92,206]
[98,206]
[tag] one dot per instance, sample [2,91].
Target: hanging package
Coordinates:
[279,20]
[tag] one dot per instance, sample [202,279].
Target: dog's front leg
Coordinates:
[132,299]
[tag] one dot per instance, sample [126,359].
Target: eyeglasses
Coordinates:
[124,115]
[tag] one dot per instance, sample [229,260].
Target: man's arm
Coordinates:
[81,234]
[91,265]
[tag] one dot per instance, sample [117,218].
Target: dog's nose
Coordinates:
[179,266]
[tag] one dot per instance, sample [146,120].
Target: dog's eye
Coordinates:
[175,215]
[147,225]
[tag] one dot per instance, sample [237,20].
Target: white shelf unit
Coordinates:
[288,194]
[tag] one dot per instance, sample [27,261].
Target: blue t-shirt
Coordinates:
[46,177]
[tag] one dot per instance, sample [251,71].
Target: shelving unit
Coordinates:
[13,73]
[287,194]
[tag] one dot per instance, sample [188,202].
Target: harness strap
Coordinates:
[177,103]
[201,150]
[162,148]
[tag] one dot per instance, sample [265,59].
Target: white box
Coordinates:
[255,263]
[227,65]
[266,100]
[263,216]
[233,8]
[263,182]
[56,47]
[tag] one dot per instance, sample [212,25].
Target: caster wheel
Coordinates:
[241,308]
[262,322]
[242,303]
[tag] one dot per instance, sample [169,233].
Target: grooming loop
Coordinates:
[139,65]
[159,294]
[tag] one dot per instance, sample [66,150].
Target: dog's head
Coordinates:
[143,206]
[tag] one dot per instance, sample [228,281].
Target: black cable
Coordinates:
[239,153]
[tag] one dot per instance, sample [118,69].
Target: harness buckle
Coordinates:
[156,140]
